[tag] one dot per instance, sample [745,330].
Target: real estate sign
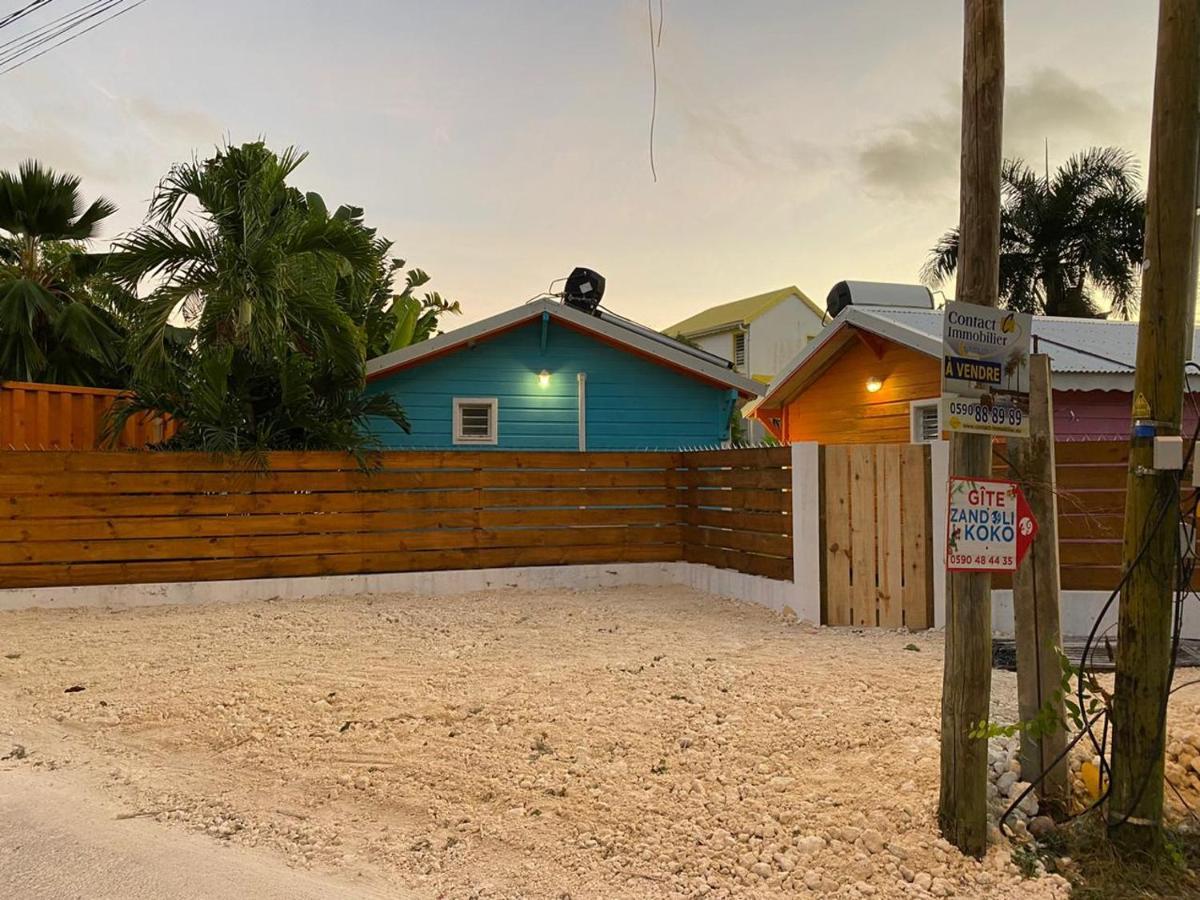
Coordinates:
[989,527]
[985,369]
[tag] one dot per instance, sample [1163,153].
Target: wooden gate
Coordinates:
[876,530]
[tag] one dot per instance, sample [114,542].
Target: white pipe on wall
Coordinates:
[581,378]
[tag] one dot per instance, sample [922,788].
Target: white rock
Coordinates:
[810,844]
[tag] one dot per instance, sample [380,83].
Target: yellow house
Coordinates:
[758,334]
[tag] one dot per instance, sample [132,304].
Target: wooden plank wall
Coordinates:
[739,506]
[77,518]
[66,417]
[876,527]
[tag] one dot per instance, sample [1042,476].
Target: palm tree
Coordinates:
[1065,239]
[389,320]
[273,360]
[57,321]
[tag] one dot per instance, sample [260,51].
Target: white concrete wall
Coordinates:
[458,581]
[721,344]
[806,531]
[776,336]
[776,595]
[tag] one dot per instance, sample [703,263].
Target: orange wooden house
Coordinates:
[873,375]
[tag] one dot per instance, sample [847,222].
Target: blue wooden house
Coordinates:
[546,376]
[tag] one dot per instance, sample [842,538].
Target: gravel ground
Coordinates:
[640,742]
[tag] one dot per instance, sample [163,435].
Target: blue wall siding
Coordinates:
[632,403]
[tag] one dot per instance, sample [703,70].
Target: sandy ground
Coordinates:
[632,742]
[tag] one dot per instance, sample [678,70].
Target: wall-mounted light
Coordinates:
[874,384]
[544,378]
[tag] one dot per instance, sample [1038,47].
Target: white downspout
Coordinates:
[581,378]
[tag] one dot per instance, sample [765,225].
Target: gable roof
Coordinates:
[739,313]
[632,337]
[1085,354]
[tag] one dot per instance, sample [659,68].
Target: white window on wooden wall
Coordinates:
[475,420]
[926,421]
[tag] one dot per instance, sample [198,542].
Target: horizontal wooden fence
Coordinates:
[80,518]
[1090,484]
[66,417]
[739,510]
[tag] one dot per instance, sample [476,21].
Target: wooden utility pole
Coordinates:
[1036,593]
[967,678]
[1152,500]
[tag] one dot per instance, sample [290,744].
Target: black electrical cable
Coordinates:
[29,42]
[1186,562]
[23,12]
[49,26]
[74,36]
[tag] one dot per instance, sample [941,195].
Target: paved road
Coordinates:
[61,842]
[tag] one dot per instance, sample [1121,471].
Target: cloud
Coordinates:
[918,156]
[118,145]
[752,144]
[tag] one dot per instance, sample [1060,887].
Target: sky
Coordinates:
[500,144]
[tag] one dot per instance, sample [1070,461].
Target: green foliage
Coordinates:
[1047,721]
[1025,858]
[1099,871]
[1064,238]
[61,319]
[278,296]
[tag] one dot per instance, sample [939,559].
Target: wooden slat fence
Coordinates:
[876,531]
[75,518]
[66,417]
[1090,478]
[739,510]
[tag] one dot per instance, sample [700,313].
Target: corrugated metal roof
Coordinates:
[1082,346]
[738,312]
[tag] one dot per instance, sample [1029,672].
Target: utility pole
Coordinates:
[967,677]
[1152,500]
[1036,594]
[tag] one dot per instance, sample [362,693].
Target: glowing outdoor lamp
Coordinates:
[544,378]
[874,384]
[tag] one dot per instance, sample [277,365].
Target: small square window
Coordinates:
[475,420]
[926,422]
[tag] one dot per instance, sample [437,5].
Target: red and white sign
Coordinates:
[989,527]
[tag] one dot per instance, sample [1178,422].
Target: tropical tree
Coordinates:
[1066,239]
[257,271]
[60,319]
[389,320]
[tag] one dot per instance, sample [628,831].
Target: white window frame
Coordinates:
[745,349]
[456,413]
[915,411]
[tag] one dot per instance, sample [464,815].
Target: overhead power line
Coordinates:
[69,32]
[51,28]
[23,11]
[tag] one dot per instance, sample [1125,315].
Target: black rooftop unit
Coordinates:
[584,290]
